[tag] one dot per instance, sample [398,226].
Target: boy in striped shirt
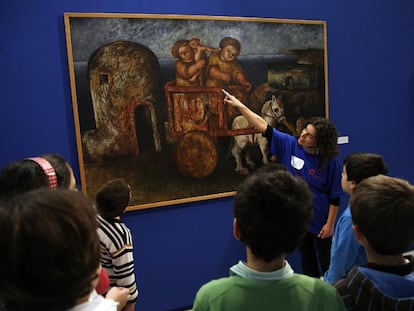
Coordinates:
[116,241]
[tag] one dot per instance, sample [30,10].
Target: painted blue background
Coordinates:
[178,248]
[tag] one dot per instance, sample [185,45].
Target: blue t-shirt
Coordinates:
[325,182]
[346,252]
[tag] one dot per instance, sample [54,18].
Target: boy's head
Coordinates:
[113,198]
[229,49]
[272,210]
[182,50]
[361,165]
[382,211]
[50,250]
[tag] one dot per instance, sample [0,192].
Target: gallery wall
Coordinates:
[179,247]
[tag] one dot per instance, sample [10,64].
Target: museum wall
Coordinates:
[180,247]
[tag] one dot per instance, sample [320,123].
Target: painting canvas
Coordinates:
[148,101]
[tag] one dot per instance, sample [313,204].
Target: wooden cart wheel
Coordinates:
[196,154]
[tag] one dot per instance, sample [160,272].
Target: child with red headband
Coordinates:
[49,170]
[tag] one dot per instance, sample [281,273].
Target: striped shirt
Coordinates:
[360,291]
[117,254]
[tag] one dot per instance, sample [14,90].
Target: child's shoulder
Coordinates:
[313,284]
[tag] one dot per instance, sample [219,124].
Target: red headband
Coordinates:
[48,170]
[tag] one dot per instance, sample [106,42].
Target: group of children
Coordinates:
[368,269]
[200,65]
[60,250]
[59,246]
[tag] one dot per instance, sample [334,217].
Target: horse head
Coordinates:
[273,111]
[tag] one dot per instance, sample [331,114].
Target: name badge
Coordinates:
[296,162]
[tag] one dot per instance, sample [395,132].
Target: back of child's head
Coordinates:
[273,210]
[113,198]
[361,165]
[50,250]
[49,170]
[383,209]
[21,176]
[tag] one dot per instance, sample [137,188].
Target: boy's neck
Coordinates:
[260,265]
[385,260]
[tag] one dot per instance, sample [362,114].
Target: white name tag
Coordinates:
[296,162]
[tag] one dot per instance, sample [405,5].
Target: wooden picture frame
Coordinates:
[170,136]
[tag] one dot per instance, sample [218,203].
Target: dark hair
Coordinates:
[112,198]
[230,41]
[383,209]
[21,176]
[326,138]
[361,165]
[24,175]
[61,168]
[177,45]
[271,166]
[273,210]
[50,250]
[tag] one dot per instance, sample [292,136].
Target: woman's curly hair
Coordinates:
[326,138]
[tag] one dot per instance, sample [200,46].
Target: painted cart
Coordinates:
[197,116]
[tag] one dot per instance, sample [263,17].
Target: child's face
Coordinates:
[229,53]
[186,53]
[346,185]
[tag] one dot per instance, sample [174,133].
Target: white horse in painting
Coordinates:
[273,112]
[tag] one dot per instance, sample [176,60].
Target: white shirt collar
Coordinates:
[243,270]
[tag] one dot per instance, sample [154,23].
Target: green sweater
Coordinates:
[290,292]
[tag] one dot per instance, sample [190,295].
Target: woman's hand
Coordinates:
[232,100]
[326,231]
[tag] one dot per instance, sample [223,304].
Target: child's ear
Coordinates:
[352,185]
[358,235]
[236,229]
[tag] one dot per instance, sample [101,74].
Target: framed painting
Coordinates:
[148,101]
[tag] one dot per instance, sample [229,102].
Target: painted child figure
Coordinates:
[116,240]
[188,69]
[223,68]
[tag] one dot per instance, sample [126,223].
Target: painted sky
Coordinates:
[265,37]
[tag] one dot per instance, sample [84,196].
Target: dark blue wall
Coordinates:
[177,248]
